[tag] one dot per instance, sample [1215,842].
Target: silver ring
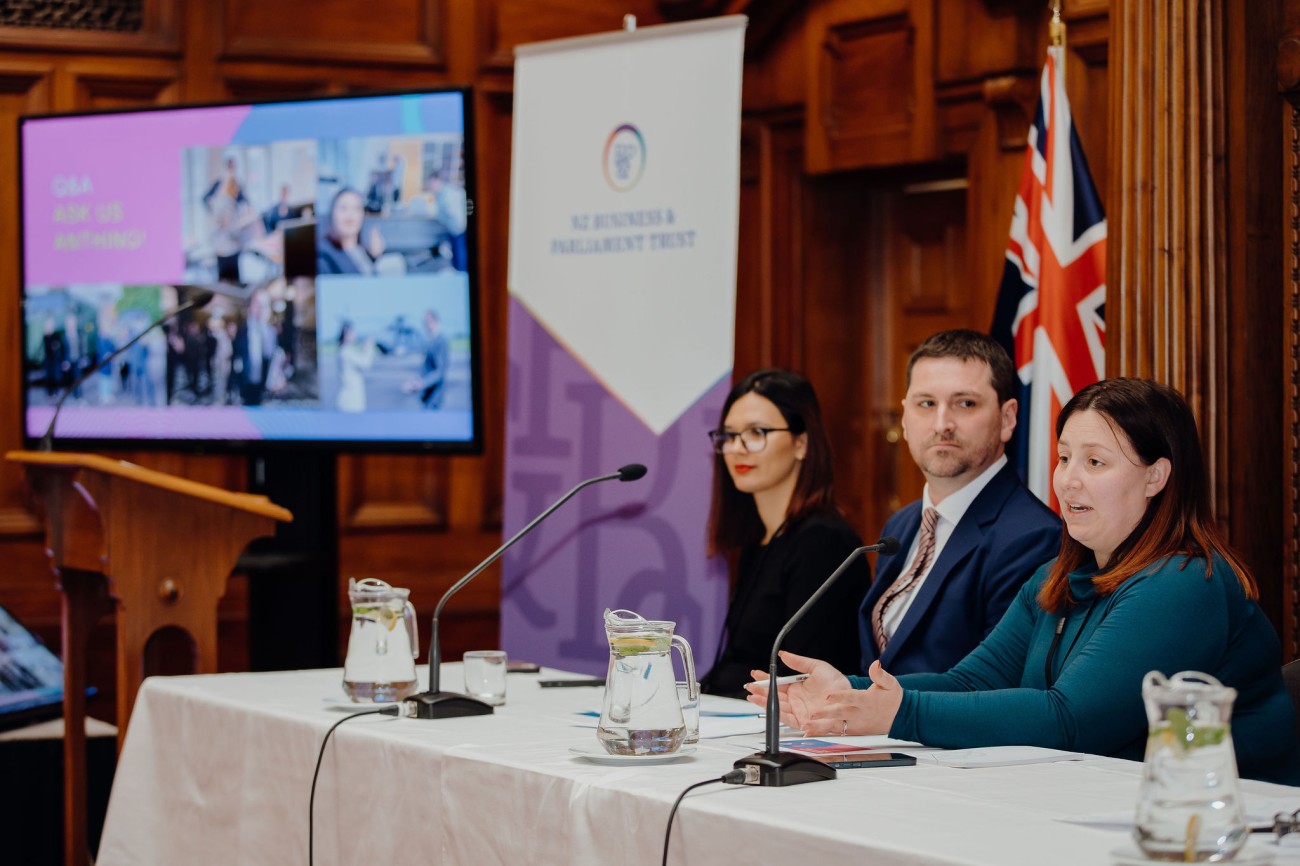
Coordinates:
[845,730]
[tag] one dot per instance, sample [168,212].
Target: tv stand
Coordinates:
[293,591]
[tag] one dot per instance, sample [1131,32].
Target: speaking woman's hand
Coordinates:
[798,700]
[858,712]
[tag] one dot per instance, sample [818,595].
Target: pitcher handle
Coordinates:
[688,660]
[412,629]
[1155,680]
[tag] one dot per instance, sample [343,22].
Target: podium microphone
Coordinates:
[198,298]
[437,704]
[776,769]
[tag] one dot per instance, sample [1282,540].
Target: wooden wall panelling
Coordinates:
[889,45]
[771,320]
[1087,82]
[995,163]
[484,478]
[1288,80]
[428,563]
[1252,249]
[26,87]
[920,286]
[1291,455]
[972,40]
[398,33]
[392,492]
[504,24]
[775,70]
[107,83]
[259,80]
[753,342]
[158,31]
[255,82]
[768,19]
[832,331]
[1166,279]
[1071,9]
[839,257]
[770,298]
[1192,270]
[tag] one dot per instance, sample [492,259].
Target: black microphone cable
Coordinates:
[743,776]
[392,710]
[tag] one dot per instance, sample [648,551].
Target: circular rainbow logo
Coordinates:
[624,159]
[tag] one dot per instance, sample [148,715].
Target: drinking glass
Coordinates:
[690,709]
[485,676]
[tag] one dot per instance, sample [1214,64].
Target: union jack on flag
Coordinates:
[1051,304]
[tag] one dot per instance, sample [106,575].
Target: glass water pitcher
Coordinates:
[382,645]
[642,714]
[1189,807]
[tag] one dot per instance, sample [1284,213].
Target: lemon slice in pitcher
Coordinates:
[636,645]
[387,616]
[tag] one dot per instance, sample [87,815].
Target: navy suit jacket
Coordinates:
[994,549]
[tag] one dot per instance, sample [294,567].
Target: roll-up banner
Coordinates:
[623,220]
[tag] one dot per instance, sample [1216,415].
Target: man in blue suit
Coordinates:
[977,534]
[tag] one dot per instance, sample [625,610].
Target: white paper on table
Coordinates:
[993,756]
[996,756]
[880,743]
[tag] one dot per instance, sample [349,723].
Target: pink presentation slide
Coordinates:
[103,204]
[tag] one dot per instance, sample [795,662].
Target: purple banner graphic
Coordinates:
[638,545]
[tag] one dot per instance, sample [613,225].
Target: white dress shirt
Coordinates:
[951,511]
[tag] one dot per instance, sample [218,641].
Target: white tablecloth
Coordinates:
[217,770]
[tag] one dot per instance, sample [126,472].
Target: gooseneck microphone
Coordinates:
[437,704]
[777,769]
[198,299]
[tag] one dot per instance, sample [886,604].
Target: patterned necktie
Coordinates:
[924,551]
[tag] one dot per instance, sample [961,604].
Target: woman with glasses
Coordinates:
[1143,583]
[774,516]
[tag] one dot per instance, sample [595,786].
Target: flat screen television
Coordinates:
[336,238]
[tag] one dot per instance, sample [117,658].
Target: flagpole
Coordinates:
[1056,30]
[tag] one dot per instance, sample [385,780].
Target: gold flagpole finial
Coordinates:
[1056,31]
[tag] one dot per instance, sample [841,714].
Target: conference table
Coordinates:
[218,768]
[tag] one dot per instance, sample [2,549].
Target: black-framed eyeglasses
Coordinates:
[751,439]
[1283,824]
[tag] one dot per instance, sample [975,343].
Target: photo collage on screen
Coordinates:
[339,272]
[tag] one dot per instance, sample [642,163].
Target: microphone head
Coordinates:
[200,298]
[633,471]
[889,545]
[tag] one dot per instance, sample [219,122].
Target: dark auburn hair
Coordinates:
[1157,422]
[733,517]
[967,345]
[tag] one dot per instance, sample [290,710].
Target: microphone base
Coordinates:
[779,769]
[444,705]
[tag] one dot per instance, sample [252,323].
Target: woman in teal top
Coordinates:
[1143,582]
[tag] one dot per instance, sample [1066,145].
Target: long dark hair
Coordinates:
[1157,422]
[330,234]
[733,517]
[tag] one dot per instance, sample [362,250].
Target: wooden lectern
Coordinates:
[152,548]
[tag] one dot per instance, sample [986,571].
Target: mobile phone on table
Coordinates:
[514,666]
[860,760]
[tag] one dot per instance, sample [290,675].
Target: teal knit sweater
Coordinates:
[1169,617]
